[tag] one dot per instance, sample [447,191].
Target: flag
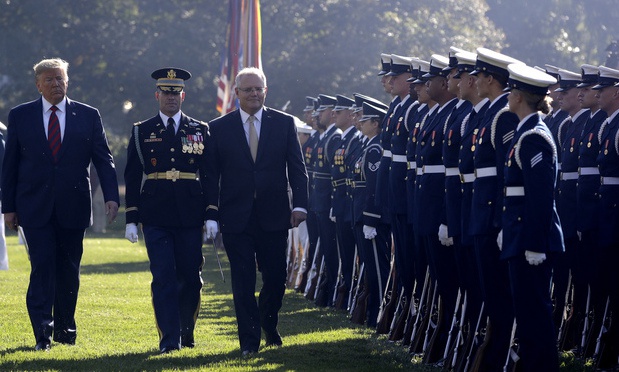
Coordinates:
[242,49]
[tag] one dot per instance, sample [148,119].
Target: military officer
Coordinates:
[496,130]
[168,150]
[322,190]
[531,227]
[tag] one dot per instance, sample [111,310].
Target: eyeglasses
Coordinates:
[254,89]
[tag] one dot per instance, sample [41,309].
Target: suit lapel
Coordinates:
[265,132]
[238,133]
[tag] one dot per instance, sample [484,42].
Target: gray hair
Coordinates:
[49,64]
[250,71]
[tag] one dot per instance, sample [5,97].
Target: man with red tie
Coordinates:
[46,190]
[253,156]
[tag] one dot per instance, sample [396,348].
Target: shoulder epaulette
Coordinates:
[494,123]
[559,139]
[545,135]
[138,123]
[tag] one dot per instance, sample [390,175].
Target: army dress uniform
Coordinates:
[171,206]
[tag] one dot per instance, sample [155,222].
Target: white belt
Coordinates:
[452,172]
[399,158]
[610,180]
[467,177]
[569,176]
[412,165]
[420,171]
[433,169]
[514,191]
[485,172]
[387,153]
[589,171]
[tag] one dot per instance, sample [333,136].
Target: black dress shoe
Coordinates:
[248,353]
[43,346]
[65,337]
[168,349]
[273,339]
[187,341]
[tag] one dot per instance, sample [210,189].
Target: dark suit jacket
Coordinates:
[235,183]
[35,187]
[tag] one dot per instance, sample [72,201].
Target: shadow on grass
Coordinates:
[115,268]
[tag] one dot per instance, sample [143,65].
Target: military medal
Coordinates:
[572,145]
[449,137]
[433,135]
[511,153]
[397,128]
[342,169]
[606,148]
[590,137]
[482,135]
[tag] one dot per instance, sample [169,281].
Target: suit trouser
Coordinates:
[268,250]
[55,255]
[494,280]
[376,254]
[176,260]
[530,286]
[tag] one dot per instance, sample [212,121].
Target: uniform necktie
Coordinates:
[253,137]
[170,128]
[53,133]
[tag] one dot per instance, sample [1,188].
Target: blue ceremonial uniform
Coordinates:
[309,156]
[382,182]
[376,251]
[531,223]
[171,205]
[496,131]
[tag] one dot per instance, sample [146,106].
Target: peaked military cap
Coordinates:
[466,62]
[437,65]
[567,80]
[492,62]
[608,77]
[171,79]
[310,103]
[326,102]
[343,103]
[589,75]
[360,98]
[372,112]
[385,63]
[529,79]
[453,60]
[424,68]
[552,71]
[399,65]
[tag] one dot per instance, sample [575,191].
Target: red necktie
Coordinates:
[53,133]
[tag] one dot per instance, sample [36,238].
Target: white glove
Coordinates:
[369,232]
[131,232]
[331,216]
[443,236]
[534,258]
[211,229]
[499,240]
[579,235]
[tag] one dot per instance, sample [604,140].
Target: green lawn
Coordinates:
[116,327]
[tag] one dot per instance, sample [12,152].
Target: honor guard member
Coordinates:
[308,150]
[343,161]
[431,198]
[427,107]
[358,108]
[370,221]
[168,151]
[495,134]
[588,198]
[608,218]
[556,116]
[323,189]
[469,129]
[397,66]
[396,136]
[531,228]
[568,135]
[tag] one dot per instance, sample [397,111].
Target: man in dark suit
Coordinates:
[46,190]
[171,206]
[253,156]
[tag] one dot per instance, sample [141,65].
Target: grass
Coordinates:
[116,327]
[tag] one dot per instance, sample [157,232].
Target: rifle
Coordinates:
[599,347]
[312,280]
[450,335]
[354,283]
[20,232]
[215,248]
[386,305]
[478,342]
[359,307]
[293,256]
[566,319]
[511,363]
[432,332]
[358,289]
[423,314]
[414,309]
[399,309]
[338,282]
[320,295]
[586,329]
[452,360]
[301,279]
